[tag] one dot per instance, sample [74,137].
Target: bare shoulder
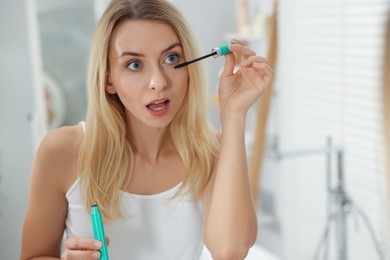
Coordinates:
[53,171]
[57,155]
[61,141]
[61,145]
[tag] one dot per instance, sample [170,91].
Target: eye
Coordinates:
[135,65]
[172,58]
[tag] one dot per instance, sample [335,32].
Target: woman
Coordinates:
[165,183]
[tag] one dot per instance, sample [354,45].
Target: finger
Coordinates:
[258,70]
[241,49]
[80,255]
[236,41]
[108,240]
[264,68]
[265,73]
[230,63]
[253,59]
[79,243]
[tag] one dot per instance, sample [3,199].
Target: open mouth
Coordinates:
[158,105]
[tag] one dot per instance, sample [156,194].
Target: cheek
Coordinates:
[127,94]
[181,88]
[129,87]
[180,79]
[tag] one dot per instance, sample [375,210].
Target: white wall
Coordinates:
[16,104]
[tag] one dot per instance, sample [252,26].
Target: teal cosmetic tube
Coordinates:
[98,231]
[221,50]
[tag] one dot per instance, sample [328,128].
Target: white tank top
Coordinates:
[156,227]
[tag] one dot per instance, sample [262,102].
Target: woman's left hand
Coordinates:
[239,90]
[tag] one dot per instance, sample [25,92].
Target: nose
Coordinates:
[158,79]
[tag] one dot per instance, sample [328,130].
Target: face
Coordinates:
[142,55]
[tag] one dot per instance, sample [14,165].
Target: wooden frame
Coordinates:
[262,113]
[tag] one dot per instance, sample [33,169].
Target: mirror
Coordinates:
[65,32]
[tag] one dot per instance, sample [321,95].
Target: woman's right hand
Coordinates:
[76,248]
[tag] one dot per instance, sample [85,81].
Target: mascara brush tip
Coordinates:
[192,61]
[180,65]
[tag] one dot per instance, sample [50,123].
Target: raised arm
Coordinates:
[230,227]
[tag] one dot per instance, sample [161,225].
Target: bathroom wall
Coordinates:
[16,106]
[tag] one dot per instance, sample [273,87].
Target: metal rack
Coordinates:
[339,203]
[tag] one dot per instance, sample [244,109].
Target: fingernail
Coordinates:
[96,255]
[98,244]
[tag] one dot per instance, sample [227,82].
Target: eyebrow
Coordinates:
[136,54]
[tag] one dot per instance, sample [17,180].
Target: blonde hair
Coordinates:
[106,156]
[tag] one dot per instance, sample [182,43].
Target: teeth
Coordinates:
[158,109]
[157,106]
[159,102]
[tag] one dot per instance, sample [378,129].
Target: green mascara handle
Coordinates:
[98,231]
[221,50]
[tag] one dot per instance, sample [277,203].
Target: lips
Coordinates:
[158,105]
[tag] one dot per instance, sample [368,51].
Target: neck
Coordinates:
[149,143]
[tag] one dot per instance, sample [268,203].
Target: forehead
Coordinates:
[142,36]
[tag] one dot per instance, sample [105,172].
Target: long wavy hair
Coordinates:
[106,160]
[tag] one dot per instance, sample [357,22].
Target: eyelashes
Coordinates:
[172,58]
[137,65]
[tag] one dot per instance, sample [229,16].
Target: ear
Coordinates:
[110,88]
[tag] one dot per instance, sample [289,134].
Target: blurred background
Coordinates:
[317,141]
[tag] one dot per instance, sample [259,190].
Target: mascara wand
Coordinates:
[216,52]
